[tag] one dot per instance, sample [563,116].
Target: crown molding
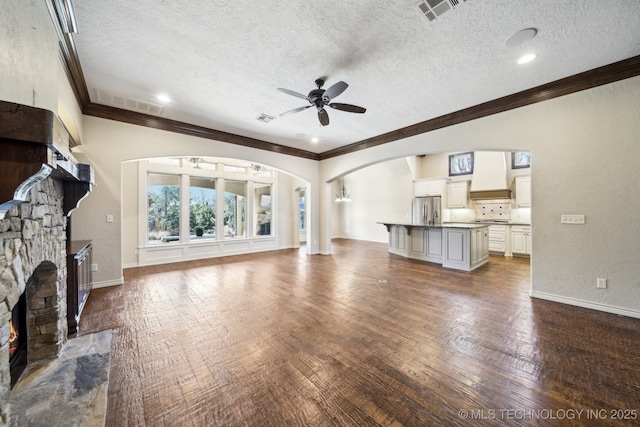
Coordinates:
[135,118]
[587,80]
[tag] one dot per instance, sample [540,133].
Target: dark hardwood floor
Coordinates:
[358,338]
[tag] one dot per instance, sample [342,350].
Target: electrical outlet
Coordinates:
[571,219]
[109,218]
[94,267]
[601,283]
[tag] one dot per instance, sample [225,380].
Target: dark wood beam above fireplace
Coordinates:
[33,143]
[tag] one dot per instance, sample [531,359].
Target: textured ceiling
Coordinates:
[221,61]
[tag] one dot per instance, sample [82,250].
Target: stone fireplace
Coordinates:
[40,185]
[33,261]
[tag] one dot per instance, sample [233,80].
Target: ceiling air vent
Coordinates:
[264,118]
[119,101]
[432,9]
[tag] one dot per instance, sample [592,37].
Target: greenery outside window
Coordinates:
[202,208]
[163,204]
[235,207]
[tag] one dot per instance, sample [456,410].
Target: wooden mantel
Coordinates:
[34,144]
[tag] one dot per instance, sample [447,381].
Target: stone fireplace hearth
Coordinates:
[33,260]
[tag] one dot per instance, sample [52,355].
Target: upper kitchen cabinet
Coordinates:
[523,191]
[457,194]
[429,187]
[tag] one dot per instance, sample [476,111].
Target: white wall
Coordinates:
[382,192]
[130,222]
[585,152]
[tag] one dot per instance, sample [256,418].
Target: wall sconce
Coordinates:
[342,195]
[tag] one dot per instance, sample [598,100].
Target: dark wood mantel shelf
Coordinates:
[33,146]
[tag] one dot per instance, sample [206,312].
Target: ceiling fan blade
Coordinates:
[295,110]
[292,93]
[323,116]
[347,107]
[335,90]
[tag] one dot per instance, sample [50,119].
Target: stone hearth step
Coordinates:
[69,390]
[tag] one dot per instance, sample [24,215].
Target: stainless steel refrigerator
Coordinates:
[426,210]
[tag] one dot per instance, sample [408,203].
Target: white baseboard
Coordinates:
[586,304]
[107,283]
[130,265]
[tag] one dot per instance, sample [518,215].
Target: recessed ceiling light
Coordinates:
[516,39]
[314,139]
[163,98]
[527,58]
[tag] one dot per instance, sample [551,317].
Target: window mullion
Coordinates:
[184,208]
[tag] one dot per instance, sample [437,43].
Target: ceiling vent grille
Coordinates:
[432,9]
[264,118]
[114,100]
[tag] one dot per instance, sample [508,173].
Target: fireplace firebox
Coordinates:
[18,339]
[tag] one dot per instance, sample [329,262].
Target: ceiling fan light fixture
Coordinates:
[320,98]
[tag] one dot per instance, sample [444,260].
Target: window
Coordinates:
[235,207]
[236,169]
[302,210]
[202,208]
[262,208]
[189,203]
[163,201]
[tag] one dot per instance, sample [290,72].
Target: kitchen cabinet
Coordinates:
[458,246]
[398,240]
[498,238]
[457,194]
[479,246]
[521,240]
[429,187]
[425,244]
[78,281]
[465,248]
[523,192]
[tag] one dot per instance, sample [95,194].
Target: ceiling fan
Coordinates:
[320,98]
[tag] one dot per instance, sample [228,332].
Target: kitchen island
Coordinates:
[457,246]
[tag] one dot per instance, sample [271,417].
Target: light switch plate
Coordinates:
[571,219]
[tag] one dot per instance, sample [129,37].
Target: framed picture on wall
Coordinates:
[520,159]
[461,164]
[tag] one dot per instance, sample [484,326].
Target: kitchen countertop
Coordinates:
[465,225]
[492,223]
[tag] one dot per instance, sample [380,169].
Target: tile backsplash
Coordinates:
[493,209]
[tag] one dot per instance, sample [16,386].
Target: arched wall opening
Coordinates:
[383,191]
[180,208]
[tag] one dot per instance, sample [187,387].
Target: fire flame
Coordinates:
[13,339]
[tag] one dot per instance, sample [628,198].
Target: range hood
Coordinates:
[34,144]
[489,176]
